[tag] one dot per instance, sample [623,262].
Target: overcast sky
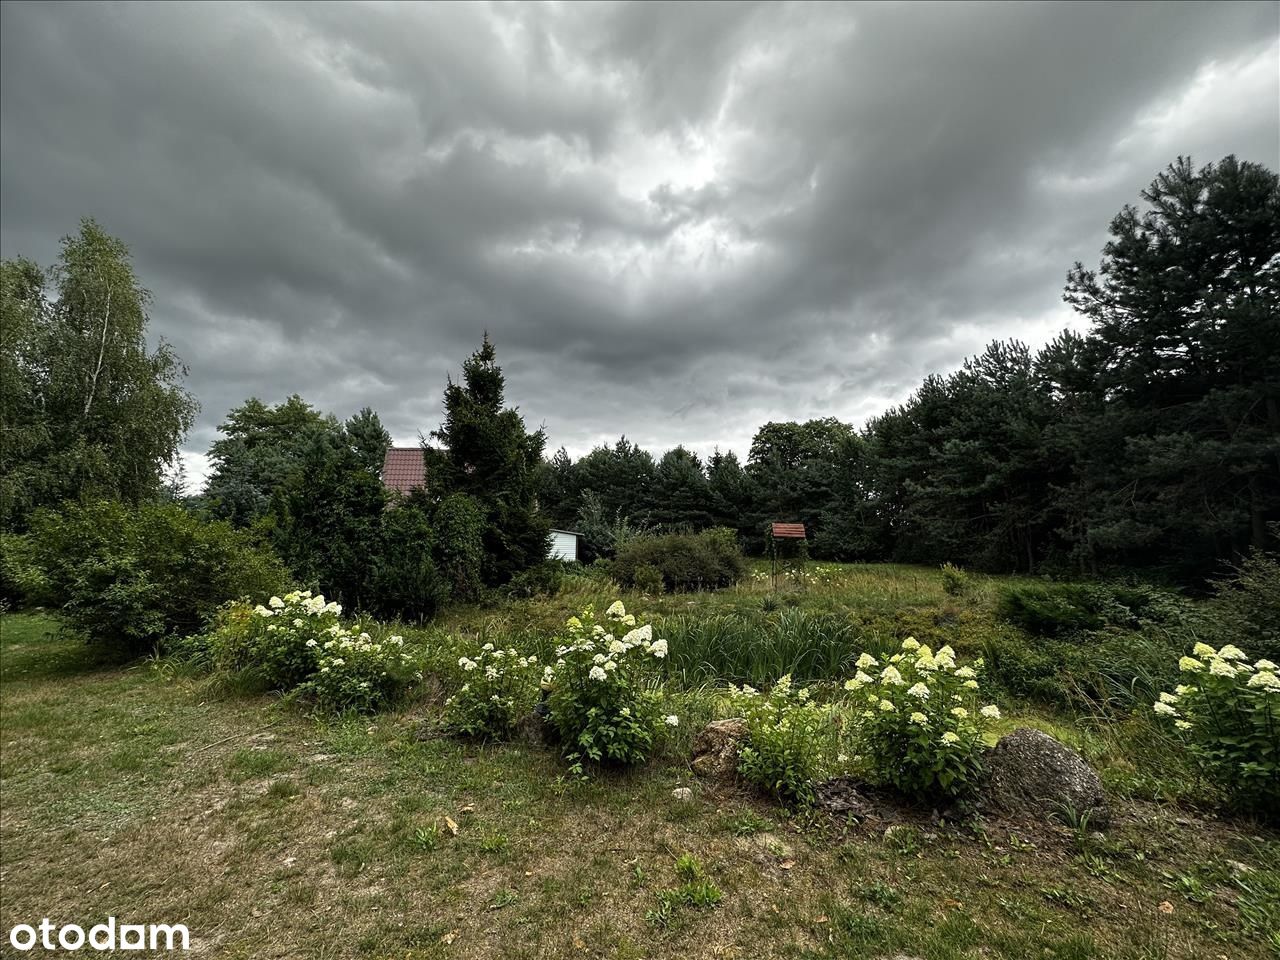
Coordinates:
[677,222]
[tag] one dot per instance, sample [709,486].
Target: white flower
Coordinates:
[610,665]
[919,718]
[1231,652]
[990,711]
[1204,650]
[311,642]
[599,658]
[866,661]
[487,647]
[918,690]
[638,636]
[1220,668]
[1266,680]
[616,610]
[629,620]
[890,675]
[1182,724]
[263,611]
[1190,665]
[491,673]
[960,712]
[573,623]
[950,737]
[467,664]
[276,603]
[659,648]
[887,706]
[617,647]
[970,684]
[1266,665]
[596,673]
[1165,709]
[671,720]
[911,643]
[966,673]
[1168,698]
[338,661]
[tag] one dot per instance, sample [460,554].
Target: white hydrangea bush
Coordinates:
[1227,713]
[918,721]
[356,672]
[287,648]
[496,687]
[791,739]
[298,643]
[604,690]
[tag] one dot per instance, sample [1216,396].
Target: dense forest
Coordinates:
[1150,442]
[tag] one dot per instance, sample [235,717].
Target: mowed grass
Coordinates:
[141,792]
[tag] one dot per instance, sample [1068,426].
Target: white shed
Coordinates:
[564,545]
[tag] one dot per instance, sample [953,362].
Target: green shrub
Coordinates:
[686,561]
[1050,610]
[1061,609]
[541,580]
[955,582]
[790,739]
[460,528]
[604,696]
[497,687]
[1228,714]
[919,726]
[406,583]
[22,581]
[132,577]
[648,579]
[1248,604]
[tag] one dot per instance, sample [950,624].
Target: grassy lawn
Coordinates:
[147,793]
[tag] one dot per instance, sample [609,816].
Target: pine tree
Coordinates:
[483,450]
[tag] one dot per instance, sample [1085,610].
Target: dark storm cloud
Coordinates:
[677,221]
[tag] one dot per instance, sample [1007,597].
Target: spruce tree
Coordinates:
[484,451]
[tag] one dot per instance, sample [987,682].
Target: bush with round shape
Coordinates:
[791,739]
[130,577]
[605,698]
[495,689]
[918,723]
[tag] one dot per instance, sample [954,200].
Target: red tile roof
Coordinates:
[404,469]
[788,531]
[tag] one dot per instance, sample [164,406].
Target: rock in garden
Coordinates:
[840,796]
[682,794]
[1029,772]
[533,728]
[716,748]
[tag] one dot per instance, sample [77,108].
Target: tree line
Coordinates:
[1150,442]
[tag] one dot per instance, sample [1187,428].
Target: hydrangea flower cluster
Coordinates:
[917,721]
[603,689]
[789,738]
[297,643]
[498,688]
[1228,713]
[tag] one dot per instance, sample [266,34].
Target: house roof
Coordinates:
[404,469]
[787,531]
[572,533]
